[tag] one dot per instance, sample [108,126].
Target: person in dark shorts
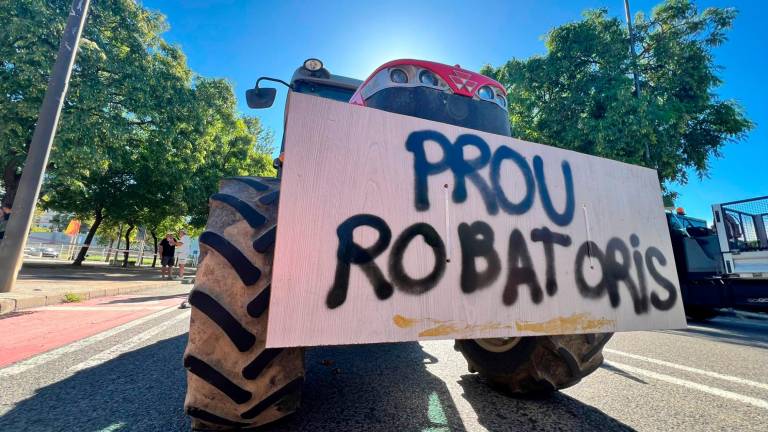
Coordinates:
[166,252]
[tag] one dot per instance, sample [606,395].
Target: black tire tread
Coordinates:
[234,382]
[549,363]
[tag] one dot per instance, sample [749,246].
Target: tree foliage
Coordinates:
[142,140]
[580,95]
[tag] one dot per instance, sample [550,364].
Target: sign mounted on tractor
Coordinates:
[394,228]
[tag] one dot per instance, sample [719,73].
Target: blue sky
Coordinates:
[241,40]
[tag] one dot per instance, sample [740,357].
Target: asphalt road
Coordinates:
[709,377]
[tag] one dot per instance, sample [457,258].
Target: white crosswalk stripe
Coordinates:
[689,369]
[129,344]
[760,403]
[38,360]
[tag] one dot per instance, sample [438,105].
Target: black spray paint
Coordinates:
[493,195]
[477,242]
[350,253]
[619,266]
[549,239]
[402,280]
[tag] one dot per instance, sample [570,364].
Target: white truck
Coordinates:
[724,265]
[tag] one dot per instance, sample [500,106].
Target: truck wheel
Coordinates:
[536,365]
[232,380]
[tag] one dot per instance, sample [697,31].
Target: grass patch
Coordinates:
[72,298]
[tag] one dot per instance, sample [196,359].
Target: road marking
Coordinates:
[113,427]
[102,308]
[689,369]
[760,403]
[40,359]
[128,345]
[442,370]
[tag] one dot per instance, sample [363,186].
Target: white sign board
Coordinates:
[394,228]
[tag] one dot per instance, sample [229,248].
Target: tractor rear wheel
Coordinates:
[534,366]
[233,381]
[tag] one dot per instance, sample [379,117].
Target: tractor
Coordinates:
[233,380]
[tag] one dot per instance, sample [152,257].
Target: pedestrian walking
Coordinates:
[5,214]
[167,250]
[182,251]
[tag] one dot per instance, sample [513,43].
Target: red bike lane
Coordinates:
[35,331]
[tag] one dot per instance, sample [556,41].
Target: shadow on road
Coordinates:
[383,387]
[623,373]
[61,270]
[140,391]
[499,412]
[735,331]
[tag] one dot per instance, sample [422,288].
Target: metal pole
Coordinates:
[117,250]
[12,246]
[634,65]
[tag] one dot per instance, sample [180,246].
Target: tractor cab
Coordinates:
[417,88]
[438,92]
[310,78]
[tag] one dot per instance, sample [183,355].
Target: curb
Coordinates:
[7,305]
[10,305]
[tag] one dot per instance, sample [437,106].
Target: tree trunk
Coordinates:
[154,239]
[10,182]
[98,217]
[127,244]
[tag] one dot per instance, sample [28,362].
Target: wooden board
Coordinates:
[524,239]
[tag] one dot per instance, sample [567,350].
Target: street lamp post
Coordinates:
[634,66]
[12,246]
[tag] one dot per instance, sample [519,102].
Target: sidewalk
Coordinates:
[46,282]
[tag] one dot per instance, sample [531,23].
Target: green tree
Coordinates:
[229,146]
[580,95]
[31,29]
[142,140]
[125,112]
[109,69]
[265,138]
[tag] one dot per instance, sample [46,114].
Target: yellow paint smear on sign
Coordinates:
[441,330]
[582,322]
[404,322]
[577,322]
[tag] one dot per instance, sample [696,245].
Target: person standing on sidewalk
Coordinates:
[167,250]
[183,251]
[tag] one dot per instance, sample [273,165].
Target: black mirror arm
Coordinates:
[274,80]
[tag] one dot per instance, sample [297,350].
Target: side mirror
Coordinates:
[260,97]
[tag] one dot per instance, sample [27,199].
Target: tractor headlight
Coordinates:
[428,78]
[398,76]
[313,65]
[486,93]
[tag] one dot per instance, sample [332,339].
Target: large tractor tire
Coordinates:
[233,382]
[534,366]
